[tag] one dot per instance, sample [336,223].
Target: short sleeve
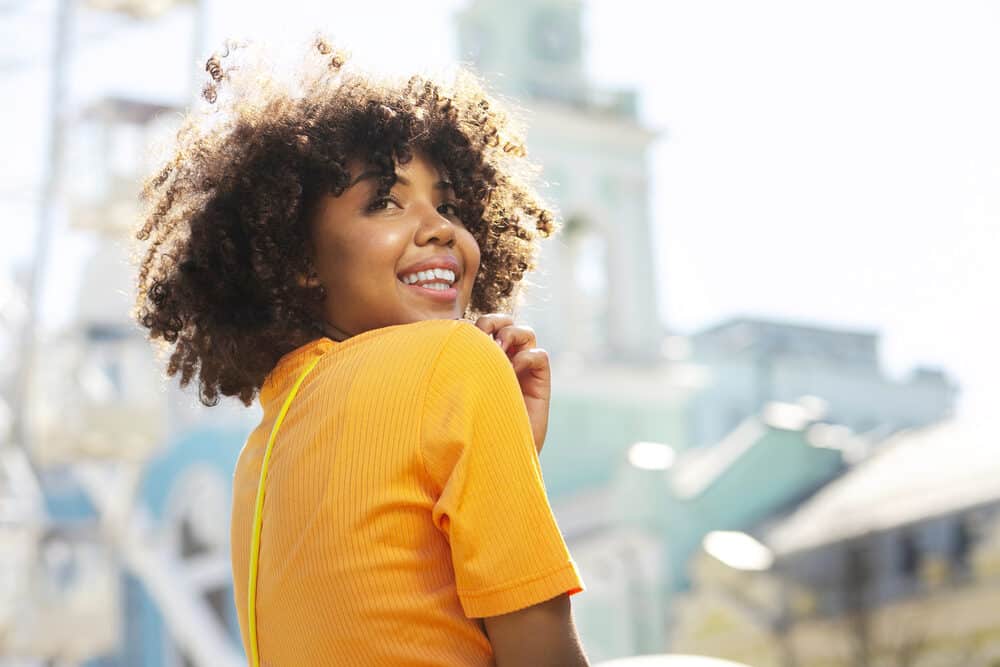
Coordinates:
[507,550]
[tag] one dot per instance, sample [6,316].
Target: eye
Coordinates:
[446,206]
[382,203]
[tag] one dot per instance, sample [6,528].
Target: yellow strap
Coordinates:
[257,519]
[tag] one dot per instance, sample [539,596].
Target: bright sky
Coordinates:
[834,164]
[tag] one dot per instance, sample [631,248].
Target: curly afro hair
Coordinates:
[226,218]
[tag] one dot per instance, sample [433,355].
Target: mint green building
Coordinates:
[657,438]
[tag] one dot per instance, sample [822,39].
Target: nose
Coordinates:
[433,225]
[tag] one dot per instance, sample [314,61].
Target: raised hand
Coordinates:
[531,365]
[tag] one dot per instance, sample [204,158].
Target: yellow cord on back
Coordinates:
[257,520]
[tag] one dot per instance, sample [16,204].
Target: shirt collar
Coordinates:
[287,370]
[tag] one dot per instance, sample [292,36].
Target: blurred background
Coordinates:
[773,435]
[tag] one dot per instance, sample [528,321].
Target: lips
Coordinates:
[441,296]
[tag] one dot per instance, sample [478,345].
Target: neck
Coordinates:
[335,333]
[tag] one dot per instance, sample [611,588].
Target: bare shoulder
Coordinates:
[543,634]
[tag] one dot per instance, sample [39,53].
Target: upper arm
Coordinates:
[486,481]
[542,635]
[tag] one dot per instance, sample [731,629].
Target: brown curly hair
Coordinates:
[226,217]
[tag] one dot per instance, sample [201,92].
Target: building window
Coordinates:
[857,577]
[961,543]
[590,270]
[588,251]
[908,554]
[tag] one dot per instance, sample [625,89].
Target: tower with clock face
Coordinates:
[594,296]
[536,47]
[592,301]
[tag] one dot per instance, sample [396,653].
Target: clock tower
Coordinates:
[592,301]
[537,47]
[593,297]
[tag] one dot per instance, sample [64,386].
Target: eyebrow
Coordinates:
[440,185]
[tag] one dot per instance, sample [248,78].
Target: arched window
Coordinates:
[588,253]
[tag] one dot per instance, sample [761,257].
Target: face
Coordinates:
[365,246]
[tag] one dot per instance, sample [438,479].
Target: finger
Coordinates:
[492,322]
[536,359]
[515,337]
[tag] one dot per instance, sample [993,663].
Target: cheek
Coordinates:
[473,254]
[357,257]
[385,246]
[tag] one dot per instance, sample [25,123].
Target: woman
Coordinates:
[343,248]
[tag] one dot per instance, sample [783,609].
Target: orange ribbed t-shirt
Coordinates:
[404,500]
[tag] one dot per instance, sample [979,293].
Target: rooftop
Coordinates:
[916,473]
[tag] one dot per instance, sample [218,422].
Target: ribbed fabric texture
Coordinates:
[404,501]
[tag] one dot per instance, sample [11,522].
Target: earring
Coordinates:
[310,279]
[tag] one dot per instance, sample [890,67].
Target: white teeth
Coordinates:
[431,274]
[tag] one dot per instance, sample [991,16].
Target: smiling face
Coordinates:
[364,245]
